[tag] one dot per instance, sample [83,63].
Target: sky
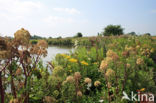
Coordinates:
[54,18]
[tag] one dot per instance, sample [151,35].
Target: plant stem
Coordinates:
[1,88]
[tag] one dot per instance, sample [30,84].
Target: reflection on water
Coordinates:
[53,50]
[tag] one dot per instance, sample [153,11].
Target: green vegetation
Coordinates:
[99,69]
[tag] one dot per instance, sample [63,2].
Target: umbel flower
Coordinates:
[14,101]
[49,99]
[70,79]
[104,63]
[87,80]
[112,54]
[22,36]
[4,49]
[139,61]
[77,75]
[109,73]
[79,93]
[97,83]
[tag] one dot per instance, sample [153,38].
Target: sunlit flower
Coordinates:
[70,79]
[112,54]
[97,83]
[49,99]
[152,50]
[143,89]
[103,65]
[110,73]
[77,75]
[128,65]
[84,63]
[67,57]
[73,60]
[22,36]
[79,93]
[87,80]
[14,101]
[139,61]
[42,43]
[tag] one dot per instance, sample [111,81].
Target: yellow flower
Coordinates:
[64,55]
[95,63]
[70,70]
[152,50]
[84,63]
[67,57]
[73,60]
[143,89]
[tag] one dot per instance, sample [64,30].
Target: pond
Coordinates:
[53,50]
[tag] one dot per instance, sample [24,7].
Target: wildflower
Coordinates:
[152,50]
[42,43]
[128,65]
[95,63]
[22,36]
[79,93]
[64,55]
[64,82]
[97,83]
[77,75]
[109,85]
[84,63]
[70,79]
[138,46]
[139,61]
[87,80]
[143,89]
[110,73]
[67,57]
[103,65]
[14,101]
[73,60]
[49,99]
[112,54]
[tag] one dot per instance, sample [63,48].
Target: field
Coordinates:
[98,71]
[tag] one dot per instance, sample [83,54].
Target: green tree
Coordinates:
[79,34]
[113,30]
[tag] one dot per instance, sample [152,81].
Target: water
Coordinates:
[53,50]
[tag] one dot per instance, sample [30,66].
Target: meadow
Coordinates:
[98,71]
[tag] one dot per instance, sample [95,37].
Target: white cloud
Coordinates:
[67,10]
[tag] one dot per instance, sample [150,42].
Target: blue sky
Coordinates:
[67,17]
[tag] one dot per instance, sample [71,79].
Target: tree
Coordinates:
[79,34]
[132,33]
[113,30]
[148,34]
